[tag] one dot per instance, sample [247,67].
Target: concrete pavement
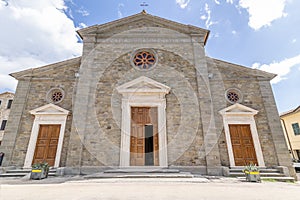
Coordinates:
[77,188]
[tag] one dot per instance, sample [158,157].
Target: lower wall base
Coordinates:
[87,170]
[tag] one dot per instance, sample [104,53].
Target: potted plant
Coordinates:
[39,170]
[252,173]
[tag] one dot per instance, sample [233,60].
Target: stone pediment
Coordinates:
[144,19]
[49,109]
[143,85]
[238,109]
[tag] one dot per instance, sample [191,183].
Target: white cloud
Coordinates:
[234,32]
[263,12]
[217,2]
[203,17]
[282,68]
[120,8]
[207,17]
[81,25]
[229,1]
[83,12]
[294,40]
[34,33]
[183,3]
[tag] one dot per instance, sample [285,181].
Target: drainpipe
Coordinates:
[288,138]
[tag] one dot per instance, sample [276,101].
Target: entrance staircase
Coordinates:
[141,173]
[266,174]
[19,173]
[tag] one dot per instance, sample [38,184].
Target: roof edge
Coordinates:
[290,112]
[256,72]
[30,71]
[93,28]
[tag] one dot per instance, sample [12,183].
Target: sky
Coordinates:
[261,34]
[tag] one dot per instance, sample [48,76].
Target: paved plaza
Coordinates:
[77,188]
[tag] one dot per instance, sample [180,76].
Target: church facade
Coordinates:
[144,95]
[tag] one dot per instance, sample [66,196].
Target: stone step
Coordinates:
[272,174]
[263,170]
[139,175]
[13,175]
[132,170]
[16,171]
[23,172]
[270,178]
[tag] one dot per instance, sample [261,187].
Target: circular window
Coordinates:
[55,95]
[233,95]
[144,59]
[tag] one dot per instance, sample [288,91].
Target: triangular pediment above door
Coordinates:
[143,85]
[49,109]
[238,109]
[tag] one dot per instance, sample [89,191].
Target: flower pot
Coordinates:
[252,176]
[38,174]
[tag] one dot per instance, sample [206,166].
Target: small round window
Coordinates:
[144,59]
[55,95]
[233,95]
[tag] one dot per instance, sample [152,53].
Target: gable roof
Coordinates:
[143,16]
[7,93]
[250,71]
[30,72]
[295,110]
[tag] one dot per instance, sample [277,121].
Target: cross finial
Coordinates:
[144,4]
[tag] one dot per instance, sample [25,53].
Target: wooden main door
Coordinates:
[242,144]
[46,144]
[144,137]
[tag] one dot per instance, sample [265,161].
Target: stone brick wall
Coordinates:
[195,133]
[108,104]
[106,64]
[62,77]
[249,86]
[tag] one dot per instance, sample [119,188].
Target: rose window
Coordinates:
[233,97]
[57,96]
[144,60]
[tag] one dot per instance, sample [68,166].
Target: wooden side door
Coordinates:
[46,145]
[242,144]
[137,136]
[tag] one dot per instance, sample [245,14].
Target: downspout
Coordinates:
[288,138]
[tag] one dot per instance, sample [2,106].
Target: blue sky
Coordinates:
[261,34]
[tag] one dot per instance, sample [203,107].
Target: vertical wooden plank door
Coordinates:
[242,144]
[144,137]
[46,145]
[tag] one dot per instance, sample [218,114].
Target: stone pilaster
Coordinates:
[207,118]
[282,153]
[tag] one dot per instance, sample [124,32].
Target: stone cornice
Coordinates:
[243,69]
[186,29]
[27,74]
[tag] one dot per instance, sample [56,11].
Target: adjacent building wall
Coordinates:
[293,141]
[6,99]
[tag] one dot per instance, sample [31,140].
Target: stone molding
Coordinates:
[143,91]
